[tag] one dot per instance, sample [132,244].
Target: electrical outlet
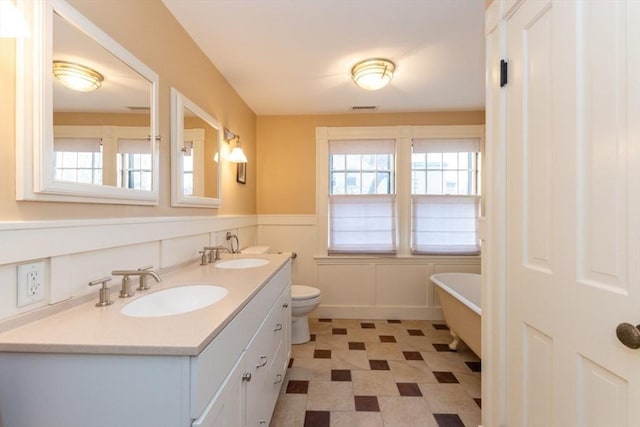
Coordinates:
[31,283]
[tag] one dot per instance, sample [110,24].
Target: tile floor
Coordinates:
[379,373]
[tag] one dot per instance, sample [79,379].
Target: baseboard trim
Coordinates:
[362,312]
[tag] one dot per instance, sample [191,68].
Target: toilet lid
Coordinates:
[304,292]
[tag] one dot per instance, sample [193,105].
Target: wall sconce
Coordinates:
[236,155]
[12,23]
[373,74]
[76,76]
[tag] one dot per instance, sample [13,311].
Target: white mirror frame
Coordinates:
[178,103]
[34,112]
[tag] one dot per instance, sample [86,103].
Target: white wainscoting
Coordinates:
[360,287]
[78,251]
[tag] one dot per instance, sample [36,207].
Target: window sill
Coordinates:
[396,259]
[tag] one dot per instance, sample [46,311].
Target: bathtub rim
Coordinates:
[463,299]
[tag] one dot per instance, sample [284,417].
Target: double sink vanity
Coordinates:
[207,346]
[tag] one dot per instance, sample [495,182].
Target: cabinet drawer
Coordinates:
[213,364]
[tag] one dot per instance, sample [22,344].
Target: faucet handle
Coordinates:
[104,291]
[143,285]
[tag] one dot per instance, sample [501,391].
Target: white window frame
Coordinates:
[403,136]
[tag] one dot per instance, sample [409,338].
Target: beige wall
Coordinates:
[286,172]
[149,31]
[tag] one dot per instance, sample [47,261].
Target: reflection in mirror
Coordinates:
[122,98]
[96,142]
[195,144]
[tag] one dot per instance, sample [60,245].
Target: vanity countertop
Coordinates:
[105,330]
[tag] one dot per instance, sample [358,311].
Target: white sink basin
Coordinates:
[182,299]
[242,263]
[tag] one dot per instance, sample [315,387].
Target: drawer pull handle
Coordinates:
[278,327]
[285,305]
[263,422]
[263,361]
[246,377]
[279,379]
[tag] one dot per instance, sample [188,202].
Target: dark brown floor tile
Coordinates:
[290,362]
[379,365]
[448,420]
[368,325]
[442,347]
[415,332]
[475,366]
[412,355]
[324,320]
[478,402]
[387,338]
[409,389]
[322,354]
[356,346]
[339,331]
[297,387]
[367,403]
[440,326]
[317,419]
[340,375]
[445,377]
[312,337]
[394,321]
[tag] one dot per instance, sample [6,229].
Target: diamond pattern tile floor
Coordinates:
[379,373]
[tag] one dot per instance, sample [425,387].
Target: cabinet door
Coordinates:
[227,407]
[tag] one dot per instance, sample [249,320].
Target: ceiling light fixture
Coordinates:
[236,155]
[76,76]
[373,74]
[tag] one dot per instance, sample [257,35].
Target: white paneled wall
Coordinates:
[360,287]
[78,251]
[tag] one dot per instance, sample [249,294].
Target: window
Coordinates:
[398,190]
[445,196]
[361,196]
[78,160]
[134,164]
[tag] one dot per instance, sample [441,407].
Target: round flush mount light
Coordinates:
[373,74]
[76,76]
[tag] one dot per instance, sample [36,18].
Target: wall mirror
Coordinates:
[196,139]
[94,143]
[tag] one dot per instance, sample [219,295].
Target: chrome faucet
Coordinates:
[126,291]
[213,253]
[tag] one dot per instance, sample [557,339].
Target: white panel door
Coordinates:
[573,213]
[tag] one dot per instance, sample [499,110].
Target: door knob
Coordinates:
[629,335]
[246,377]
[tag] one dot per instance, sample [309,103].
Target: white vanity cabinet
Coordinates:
[249,393]
[233,382]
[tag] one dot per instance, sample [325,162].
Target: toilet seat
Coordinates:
[301,292]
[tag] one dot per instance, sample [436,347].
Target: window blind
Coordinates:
[445,225]
[134,146]
[364,223]
[77,145]
[446,145]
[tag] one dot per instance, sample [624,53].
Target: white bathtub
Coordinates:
[459,295]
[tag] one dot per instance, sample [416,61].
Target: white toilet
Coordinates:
[304,299]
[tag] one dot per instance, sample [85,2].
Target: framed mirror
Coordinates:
[196,139]
[94,143]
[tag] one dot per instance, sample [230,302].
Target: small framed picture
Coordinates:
[241,175]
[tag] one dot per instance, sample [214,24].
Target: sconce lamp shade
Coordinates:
[373,74]
[12,23]
[76,76]
[237,155]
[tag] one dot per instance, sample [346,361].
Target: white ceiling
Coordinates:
[294,56]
